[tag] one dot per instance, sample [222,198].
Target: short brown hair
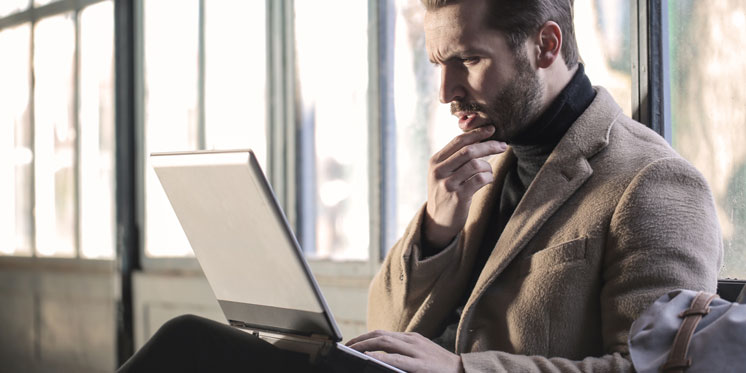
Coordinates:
[519,19]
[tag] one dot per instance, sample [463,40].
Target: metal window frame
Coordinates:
[651,97]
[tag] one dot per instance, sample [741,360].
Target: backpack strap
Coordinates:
[677,360]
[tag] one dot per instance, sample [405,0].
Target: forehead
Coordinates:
[458,26]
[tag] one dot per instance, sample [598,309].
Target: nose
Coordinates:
[451,85]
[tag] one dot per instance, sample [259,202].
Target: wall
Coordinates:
[57,320]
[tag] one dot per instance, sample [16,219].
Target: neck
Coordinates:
[556,77]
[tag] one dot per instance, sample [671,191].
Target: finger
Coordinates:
[402,362]
[363,337]
[406,336]
[391,343]
[474,183]
[456,180]
[464,139]
[467,154]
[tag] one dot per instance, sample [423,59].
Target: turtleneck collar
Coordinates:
[533,146]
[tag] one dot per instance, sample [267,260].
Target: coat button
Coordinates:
[401,277]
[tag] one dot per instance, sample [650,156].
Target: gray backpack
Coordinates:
[689,331]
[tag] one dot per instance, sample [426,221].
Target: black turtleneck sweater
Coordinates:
[531,148]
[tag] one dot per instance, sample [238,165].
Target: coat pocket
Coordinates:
[566,252]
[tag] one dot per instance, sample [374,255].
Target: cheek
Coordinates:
[486,81]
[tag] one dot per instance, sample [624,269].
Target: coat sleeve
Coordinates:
[405,284]
[663,235]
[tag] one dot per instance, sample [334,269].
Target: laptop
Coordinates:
[249,254]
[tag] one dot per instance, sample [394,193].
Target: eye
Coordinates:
[470,60]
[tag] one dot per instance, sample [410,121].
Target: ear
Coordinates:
[549,44]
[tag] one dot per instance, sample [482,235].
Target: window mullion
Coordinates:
[201,130]
[639,57]
[127,82]
[659,98]
[32,130]
[281,105]
[76,124]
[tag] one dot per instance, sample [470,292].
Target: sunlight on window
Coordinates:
[8,7]
[235,70]
[170,110]
[54,137]
[602,29]
[423,124]
[708,104]
[15,143]
[333,74]
[39,3]
[96,116]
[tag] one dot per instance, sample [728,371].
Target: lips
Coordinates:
[466,120]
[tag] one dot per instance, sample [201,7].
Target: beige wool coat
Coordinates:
[613,220]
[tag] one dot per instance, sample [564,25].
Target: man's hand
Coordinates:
[455,173]
[407,351]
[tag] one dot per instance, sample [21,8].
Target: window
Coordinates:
[708,107]
[16,224]
[204,79]
[59,141]
[12,6]
[333,142]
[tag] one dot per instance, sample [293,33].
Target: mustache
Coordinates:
[469,107]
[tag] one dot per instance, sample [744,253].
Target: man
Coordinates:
[541,258]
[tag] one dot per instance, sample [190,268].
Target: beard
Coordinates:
[514,107]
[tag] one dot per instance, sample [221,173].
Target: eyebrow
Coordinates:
[459,55]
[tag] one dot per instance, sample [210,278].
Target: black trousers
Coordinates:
[194,344]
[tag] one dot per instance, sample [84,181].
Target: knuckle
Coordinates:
[483,178]
[467,152]
[450,186]
[438,172]
[475,164]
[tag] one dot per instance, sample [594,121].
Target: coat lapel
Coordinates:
[566,169]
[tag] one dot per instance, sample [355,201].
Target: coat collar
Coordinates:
[566,169]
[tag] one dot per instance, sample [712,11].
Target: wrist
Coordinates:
[433,239]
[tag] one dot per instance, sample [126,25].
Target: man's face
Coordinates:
[485,82]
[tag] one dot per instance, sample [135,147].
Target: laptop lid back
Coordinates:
[243,242]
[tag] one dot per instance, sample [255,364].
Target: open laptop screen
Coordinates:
[243,242]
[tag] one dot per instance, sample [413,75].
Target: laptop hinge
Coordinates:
[313,345]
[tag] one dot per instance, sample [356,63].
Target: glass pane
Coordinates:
[16,156]
[54,136]
[333,88]
[96,116]
[235,70]
[171,57]
[423,124]
[708,104]
[38,3]
[602,29]
[8,7]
